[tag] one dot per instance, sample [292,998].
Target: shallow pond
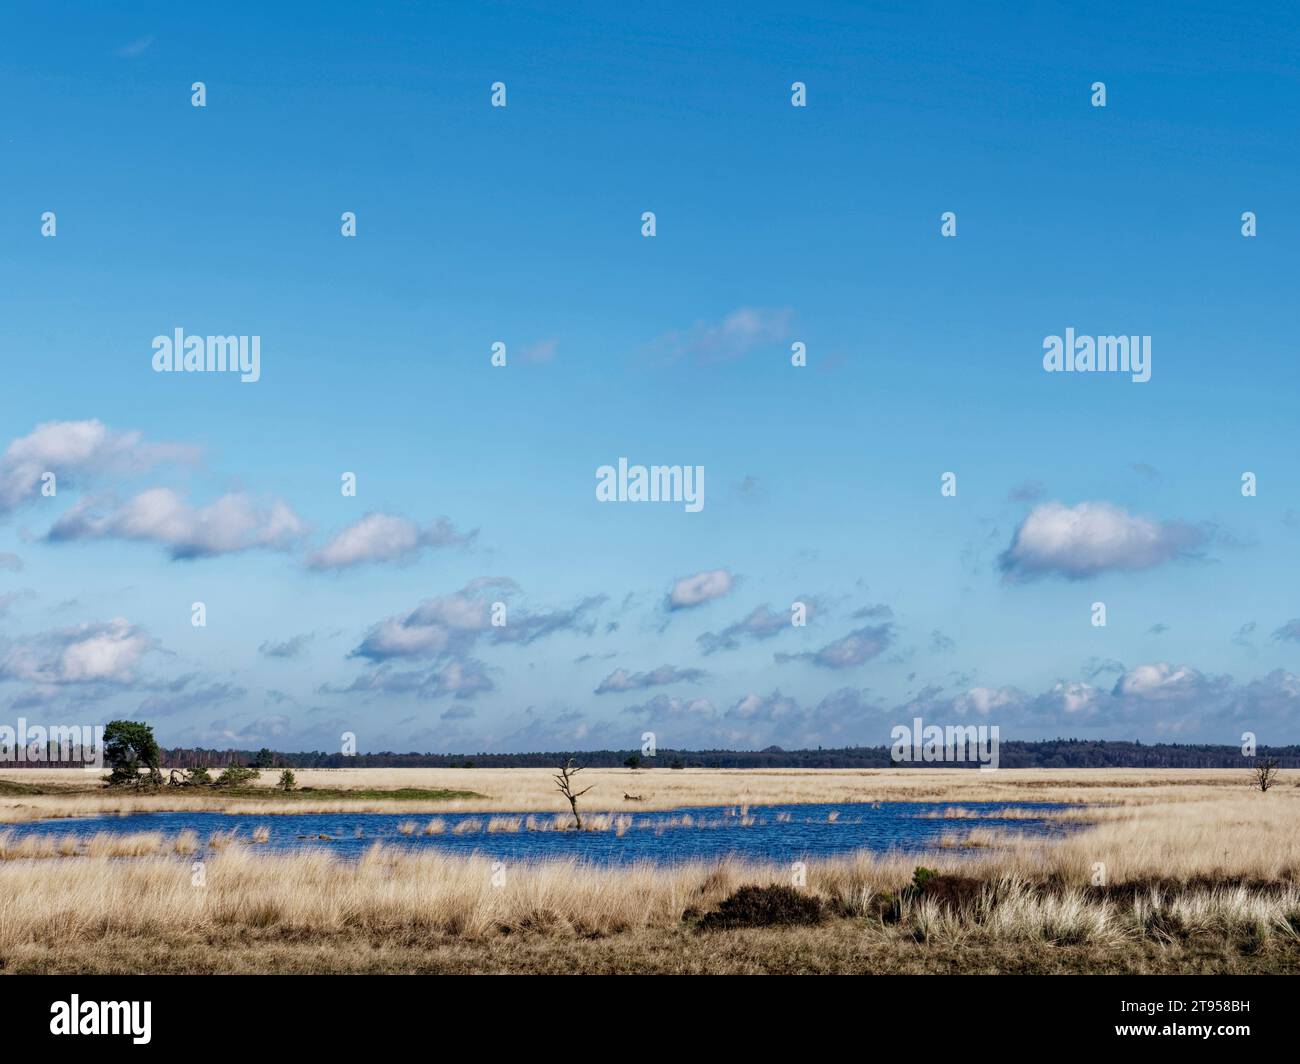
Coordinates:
[776,833]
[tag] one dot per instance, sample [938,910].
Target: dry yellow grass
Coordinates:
[1171,871]
[533,791]
[426,899]
[1223,868]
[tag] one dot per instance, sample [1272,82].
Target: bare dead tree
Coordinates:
[564,780]
[1265,772]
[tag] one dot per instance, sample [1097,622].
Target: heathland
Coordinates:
[1172,871]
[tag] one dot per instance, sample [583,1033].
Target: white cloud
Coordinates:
[232,523]
[1160,681]
[982,701]
[621,680]
[89,653]
[452,624]
[76,452]
[1093,537]
[699,588]
[447,624]
[380,537]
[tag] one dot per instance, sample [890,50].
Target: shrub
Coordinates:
[953,892]
[236,776]
[288,781]
[771,906]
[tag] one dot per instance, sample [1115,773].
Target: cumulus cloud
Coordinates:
[983,701]
[231,524]
[699,588]
[621,680]
[1272,700]
[460,679]
[452,624]
[446,624]
[107,652]
[1161,681]
[670,706]
[381,537]
[77,453]
[856,648]
[1080,541]
[762,622]
[1155,698]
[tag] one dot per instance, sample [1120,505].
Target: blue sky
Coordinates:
[522,224]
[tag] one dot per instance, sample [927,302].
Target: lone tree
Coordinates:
[130,746]
[633,762]
[1265,772]
[288,781]
[564,780]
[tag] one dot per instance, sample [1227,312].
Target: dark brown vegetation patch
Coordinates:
[771,906]
[1124,892]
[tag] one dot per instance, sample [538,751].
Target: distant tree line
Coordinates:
[1050,753]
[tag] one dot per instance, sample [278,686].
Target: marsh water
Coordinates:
[779,833]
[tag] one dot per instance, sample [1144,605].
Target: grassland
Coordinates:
[54,792]
[1172,872]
